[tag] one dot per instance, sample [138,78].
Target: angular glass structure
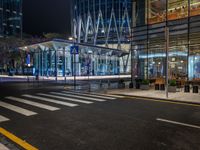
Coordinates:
[102,22]
[55,58]
[182,17]
[10,17]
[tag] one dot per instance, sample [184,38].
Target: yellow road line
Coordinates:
[163,101]
[17,140]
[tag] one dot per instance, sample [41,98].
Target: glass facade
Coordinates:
[102,22]
[54,58]
[182,17]
[10,17]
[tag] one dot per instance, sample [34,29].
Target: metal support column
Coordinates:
[167,57]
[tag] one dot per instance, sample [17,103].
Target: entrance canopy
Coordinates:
[58,44]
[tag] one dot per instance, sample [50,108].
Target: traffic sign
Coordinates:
[74,50]
[28,59]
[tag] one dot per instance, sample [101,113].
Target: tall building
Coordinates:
[102,22]
[10,17]
[153,17]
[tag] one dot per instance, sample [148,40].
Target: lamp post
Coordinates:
[167,58]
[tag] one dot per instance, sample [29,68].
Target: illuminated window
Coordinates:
[177,9]
[157,11]
[194,7]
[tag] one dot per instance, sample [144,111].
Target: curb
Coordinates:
[162,99]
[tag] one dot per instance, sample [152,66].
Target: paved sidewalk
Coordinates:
[178,96]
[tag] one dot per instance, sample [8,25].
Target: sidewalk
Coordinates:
[178,96]
[6,78]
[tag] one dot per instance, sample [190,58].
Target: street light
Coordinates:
[71,38]
[167,58]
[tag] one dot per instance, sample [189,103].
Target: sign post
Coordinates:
[28,63]
[74,52]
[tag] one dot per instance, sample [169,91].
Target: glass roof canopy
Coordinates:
[58,44]
[53,58]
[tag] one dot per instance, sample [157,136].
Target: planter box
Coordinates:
[137,85]
[195,89]
[172,89]
[144,87]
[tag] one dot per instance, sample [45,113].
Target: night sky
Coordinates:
[44,16]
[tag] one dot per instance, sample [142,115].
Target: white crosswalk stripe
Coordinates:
[51,100]
[3,147]
[89,95]
[17,109]
[65,98]
[3,119]
[39,105]
[109,95]
[81,97]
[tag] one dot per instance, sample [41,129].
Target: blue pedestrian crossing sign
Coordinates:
[74,50]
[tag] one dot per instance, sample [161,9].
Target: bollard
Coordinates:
[157,87]
[131,85]
[187,88]
[162,87]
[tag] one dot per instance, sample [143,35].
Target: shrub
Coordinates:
[172,82]
[145,82]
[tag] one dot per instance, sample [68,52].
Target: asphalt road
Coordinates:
[115,124]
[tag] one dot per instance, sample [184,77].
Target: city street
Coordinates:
[100,75]
[52,119]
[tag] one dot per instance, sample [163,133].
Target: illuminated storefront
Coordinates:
[182,17]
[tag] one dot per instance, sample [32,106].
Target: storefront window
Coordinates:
[177,9]
[156,57]
[194,7]
[194,62]
[178,62]
[157,11]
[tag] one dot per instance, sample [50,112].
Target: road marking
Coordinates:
[17,109]
[39,105]
[109,95]
[2,119]
[178,123]
[90,95]
[87,98]
[162,101]
[3,147]
[70,99]
[17,140]
[51,100]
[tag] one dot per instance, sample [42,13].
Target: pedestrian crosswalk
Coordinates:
[3,147]
[17,109]
[51,100]
[46,101]
[93,95]
[2,119]
[20,100]
[88,98]
[65,98]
